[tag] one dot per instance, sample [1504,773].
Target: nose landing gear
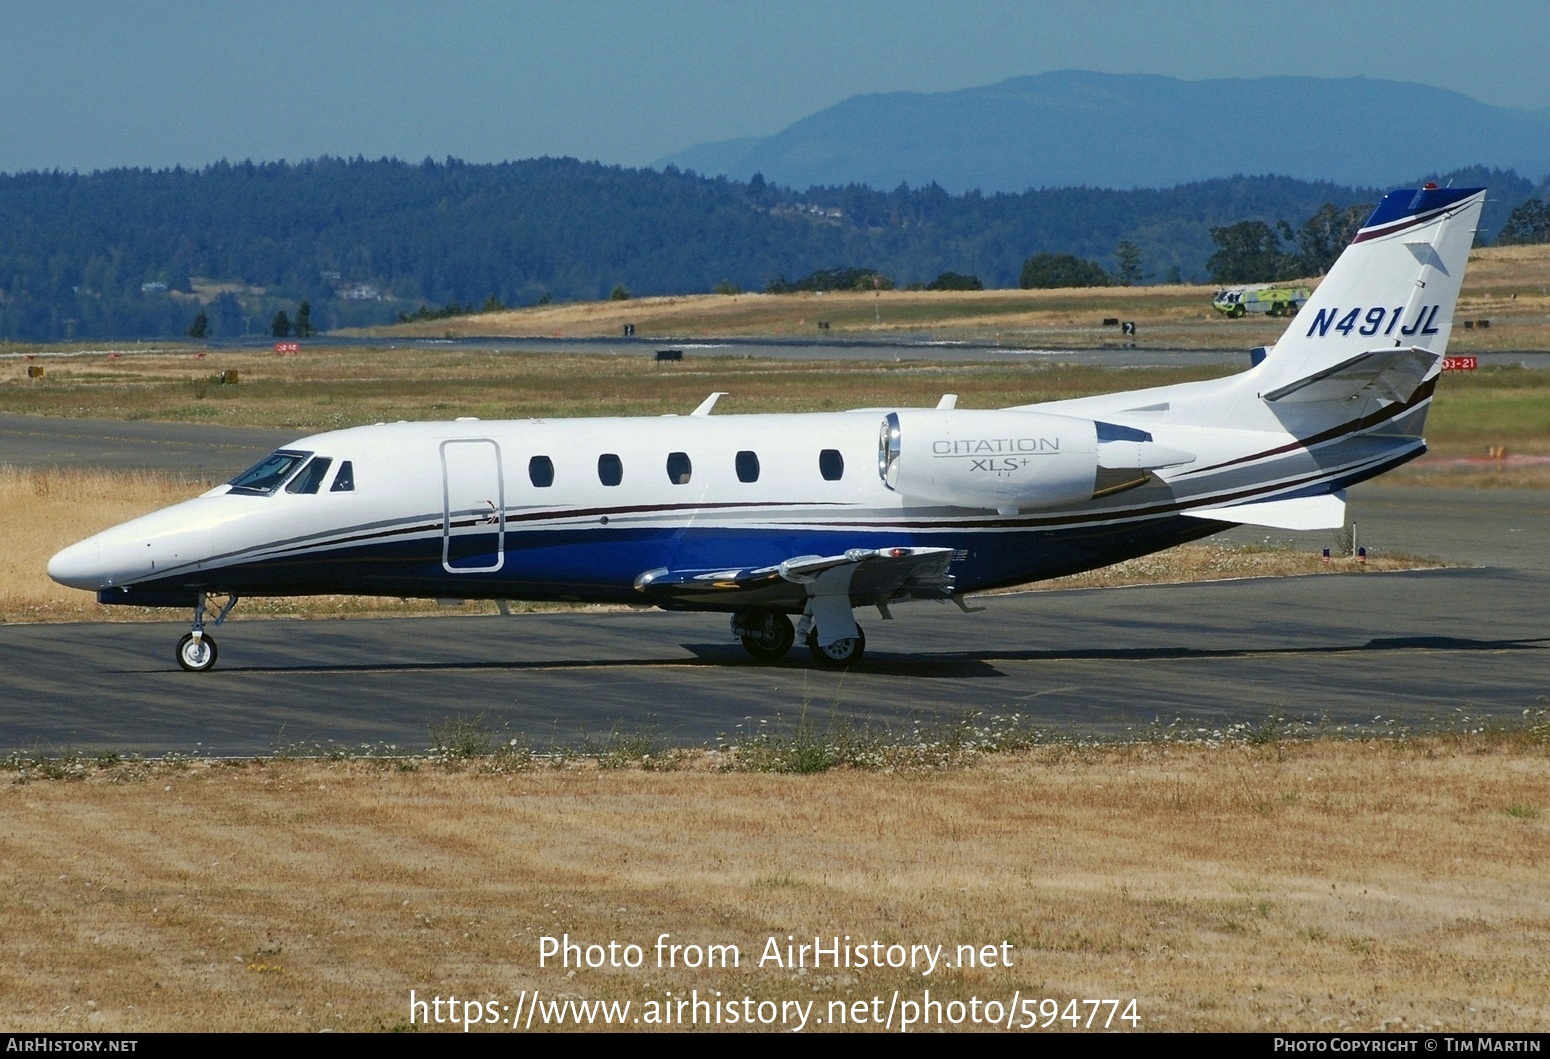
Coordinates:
[196,650]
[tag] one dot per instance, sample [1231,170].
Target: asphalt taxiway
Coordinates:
[197,450]
[1355,651]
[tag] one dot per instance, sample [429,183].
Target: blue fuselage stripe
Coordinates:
[601,564]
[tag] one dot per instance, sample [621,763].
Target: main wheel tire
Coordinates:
[840,653]
[773,638]
[196,658]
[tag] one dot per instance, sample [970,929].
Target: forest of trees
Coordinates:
[1047,271]
[1255,252]
[118,253]
[1529,223]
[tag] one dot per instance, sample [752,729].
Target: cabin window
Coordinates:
[344,481]
[679,468]
[610,471]
[268,474]
[311,476]
[831,465]
[747,466]
[540,471]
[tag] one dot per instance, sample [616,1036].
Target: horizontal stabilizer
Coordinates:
[1386,374]
[1301,513]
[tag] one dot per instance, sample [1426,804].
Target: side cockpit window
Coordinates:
[344,481]
[268,474]
[311,477]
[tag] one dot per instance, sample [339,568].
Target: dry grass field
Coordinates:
[41,510]
[325,387]
[1509,286]
[1243,880]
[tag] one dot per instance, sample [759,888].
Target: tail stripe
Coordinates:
[1398,226]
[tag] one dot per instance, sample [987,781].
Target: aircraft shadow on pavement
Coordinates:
[949,665]
[1382,644]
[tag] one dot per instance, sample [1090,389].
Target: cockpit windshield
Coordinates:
[268,474]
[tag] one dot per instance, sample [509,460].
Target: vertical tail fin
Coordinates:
[1395,286]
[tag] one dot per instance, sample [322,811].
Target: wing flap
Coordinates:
[877,575]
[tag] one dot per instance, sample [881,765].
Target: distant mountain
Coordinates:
[1078,128]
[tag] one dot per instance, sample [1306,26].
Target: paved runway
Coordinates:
[1361,649]
[197,450]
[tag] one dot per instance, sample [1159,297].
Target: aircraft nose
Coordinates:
[79,566]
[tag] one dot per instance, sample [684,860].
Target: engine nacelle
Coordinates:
[1005,461]
[1011,461]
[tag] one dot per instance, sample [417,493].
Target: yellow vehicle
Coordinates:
[1264,298]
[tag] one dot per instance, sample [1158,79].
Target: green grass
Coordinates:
[1498,405]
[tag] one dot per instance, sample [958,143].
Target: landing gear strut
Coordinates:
[766,634]
[197,650]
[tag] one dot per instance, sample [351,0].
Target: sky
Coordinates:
[157,83]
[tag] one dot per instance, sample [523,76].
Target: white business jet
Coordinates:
[770,517]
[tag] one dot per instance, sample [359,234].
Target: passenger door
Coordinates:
[473,506]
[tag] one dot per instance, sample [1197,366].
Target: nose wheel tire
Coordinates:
[840,653]
[196,657]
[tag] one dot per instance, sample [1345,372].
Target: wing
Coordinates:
[869,576]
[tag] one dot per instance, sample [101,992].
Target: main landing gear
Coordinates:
[840,653]
[768,636]
[197,650]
